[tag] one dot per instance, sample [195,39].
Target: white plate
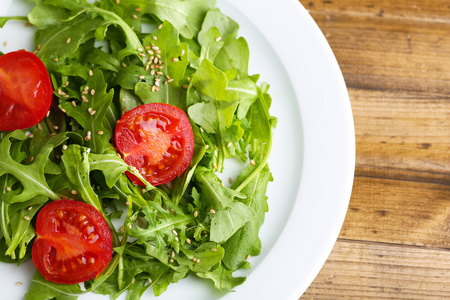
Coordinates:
[313,154]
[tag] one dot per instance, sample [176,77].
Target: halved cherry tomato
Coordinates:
[157,139]
[73,243]
[26,92]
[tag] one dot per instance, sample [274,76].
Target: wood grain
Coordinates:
[395,58]
[367,271]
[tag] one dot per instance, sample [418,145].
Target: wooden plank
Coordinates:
[358,270]
[399,212]
[390,52]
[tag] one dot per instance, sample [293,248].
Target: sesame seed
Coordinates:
[32,158]
[185,86]
[55,59]
[201,129]
[128,203]
[159,73]
[59,92]
[48,113]
[19,283]
[158,56]
[154,37]
[158,51]
[139,49]
[39,47]
[230,180]
[68,40]
[175,59]
[84,99]
[248,256]
[5,43]
[27,218]
[117,2]
[88,150]
[121,229]
[91,73]
[198,260]
[155,48]
[174,232]
[30,208]
[149,280]
[56,127]
[92,112]
[138,9]
[152,72]
[222,184]
[63,110]
[176,238]
[39,126]
[155,60]
[170,80]
[157,83]
[212,211]
[150,52]
[87,138]
[35,51]
[64,147]
[188,241]
[218,38]
[182,52]
[213,250]
[153,88]
[135,16]
[67,83]
[160,26]
[172,254]
[215,165]
[229,144]
[171,260]
[8,189]
[189,79]
[100,132]
[124,65]
[207,147]
[252,162]
[73,103]
[142,77]
[141,54]
[122,99]
[73,192]
[195,214]
[194,259]
[166,82]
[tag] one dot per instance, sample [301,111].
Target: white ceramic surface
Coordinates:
[312,160]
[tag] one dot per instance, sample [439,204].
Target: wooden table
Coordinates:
[395,57]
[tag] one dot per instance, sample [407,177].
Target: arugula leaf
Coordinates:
[31,176]
[223,278]
[41,289]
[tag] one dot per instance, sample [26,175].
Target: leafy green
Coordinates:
[105,58]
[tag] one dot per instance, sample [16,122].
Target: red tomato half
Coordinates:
[26,92]
[73,242]
[157,139]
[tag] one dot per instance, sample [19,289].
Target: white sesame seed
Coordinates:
[142,77]
[19,283]
[59,92]
[195,214]
[73,103]
[100,132]
[63,110]
[64,147]
[188,241]
[160,26]
[176,238]
[212,211]
[122,99]
[213,250]
[149,280]
[91,73]
[252,162]
[171,260]
[194,259]
[39,126]
[174,232]
[230,180]
[73,192]
[30,208]
[182,52]
[141,54]
[214,165]
[172,254]
[5,43]
[198,260]
[124,65]
[8,189]
[117,2]
[154,37]
[218,38]
[84,99]
[229,144]
[157,83]
[128,203]
[138,9]
[248,256]
[175,59]
[185,86]
[135,16]
[222,184]
[55,59]
[68,40]
[170,80]
[56,127]
[88,150]
[155,48]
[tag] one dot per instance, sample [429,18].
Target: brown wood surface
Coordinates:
[395,57]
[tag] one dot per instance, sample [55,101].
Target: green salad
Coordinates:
[106,58]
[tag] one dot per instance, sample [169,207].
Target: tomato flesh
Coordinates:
[26,91]
[157,139]
[73,243]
